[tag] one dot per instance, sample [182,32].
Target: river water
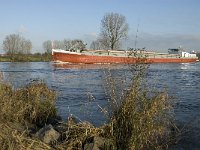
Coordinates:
[81,90]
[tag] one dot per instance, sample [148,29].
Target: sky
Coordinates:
[161,24]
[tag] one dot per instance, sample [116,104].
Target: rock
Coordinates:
[98,143]
[61,127]
[47,134]
[54,120]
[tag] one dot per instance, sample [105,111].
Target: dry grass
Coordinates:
[34,103]
[12,139]
[77,134]
[141,123]
[140,119]
[22,108]
[31,106]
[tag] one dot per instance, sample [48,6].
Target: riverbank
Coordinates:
[37,57]
[26,58]
[29,119]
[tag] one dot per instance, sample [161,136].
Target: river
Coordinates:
[81,90]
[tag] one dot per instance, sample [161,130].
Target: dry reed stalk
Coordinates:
[140,119]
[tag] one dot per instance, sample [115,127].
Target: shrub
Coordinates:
[34,103]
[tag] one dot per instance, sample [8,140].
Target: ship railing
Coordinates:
[123,53]
[106,52]
[162,55]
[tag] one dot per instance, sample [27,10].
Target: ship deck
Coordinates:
[129,54]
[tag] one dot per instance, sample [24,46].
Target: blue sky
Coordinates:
[163,24]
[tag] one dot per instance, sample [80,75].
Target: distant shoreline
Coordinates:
[26,57]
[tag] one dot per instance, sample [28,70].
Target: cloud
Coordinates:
[162,42]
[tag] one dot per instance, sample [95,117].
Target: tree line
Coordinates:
[71,45]
[113,29]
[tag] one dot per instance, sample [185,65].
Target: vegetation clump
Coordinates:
[140,118]
[34,103]
[141,122]
[21,109]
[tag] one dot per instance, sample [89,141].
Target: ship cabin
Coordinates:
[174,51]
[181,53]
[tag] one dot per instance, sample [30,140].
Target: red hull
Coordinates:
[92,59]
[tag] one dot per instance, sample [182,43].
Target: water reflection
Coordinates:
[86,66]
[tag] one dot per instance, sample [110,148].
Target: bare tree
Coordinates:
[95,45]
[28,47]
[15,44]
[74,45]
[67,44]
[10,43]
[113,29]
[25,46]
[99,44]
[78,45]
[47,45]
[59,44]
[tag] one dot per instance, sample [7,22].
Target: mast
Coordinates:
[136,36]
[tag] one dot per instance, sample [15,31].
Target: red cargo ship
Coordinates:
[119,56]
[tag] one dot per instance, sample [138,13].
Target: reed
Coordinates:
[141,118]
[33,103]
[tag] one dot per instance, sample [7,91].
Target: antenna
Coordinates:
[136,36]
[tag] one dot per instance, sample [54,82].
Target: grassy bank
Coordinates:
[139,120]
[26,58]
